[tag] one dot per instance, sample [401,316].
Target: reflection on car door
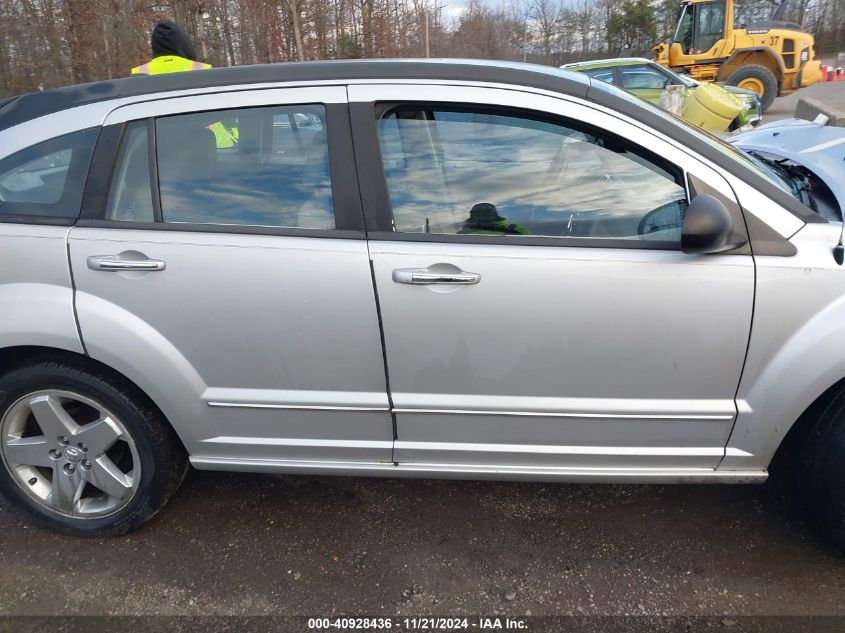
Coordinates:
[536,314]
[237,290]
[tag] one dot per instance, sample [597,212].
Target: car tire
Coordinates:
[820,469]
[759,75]
[104,459]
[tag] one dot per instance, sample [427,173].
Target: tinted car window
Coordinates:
[602,74]
[130,197]
[711,25]
[634,77]
[256,166]
[47,179]
[472,172]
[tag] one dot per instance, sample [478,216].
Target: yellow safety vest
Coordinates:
[225,137]
[168,64]
[174,64]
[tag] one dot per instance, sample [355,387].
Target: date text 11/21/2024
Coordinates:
[419,624]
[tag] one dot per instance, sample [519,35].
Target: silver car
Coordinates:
[455,269]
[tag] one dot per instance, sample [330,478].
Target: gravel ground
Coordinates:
[261,545]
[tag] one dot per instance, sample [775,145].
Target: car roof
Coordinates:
[33,105]
[607,63]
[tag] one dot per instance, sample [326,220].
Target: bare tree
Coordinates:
[547,15]
[47,43]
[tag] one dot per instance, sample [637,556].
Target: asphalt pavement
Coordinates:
[830,93]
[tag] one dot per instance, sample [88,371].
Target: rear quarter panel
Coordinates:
[36,290]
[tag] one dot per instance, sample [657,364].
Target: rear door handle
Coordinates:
[426,277]
[112,263]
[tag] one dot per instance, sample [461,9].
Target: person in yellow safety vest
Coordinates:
[173,52]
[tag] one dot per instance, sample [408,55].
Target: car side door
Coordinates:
[231,280]
[538,313]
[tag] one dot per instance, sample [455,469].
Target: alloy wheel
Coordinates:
[69,454]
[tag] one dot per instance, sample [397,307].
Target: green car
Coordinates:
[646,79]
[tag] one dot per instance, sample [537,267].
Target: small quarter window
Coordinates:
[47,180]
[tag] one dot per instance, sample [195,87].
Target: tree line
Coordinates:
[48,43]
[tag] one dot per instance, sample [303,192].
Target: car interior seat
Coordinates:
[187,168]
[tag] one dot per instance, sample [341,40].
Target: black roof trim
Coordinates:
[39,104]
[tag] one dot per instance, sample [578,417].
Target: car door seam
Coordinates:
[750,325]
[383,346]
[355,152]
[73,291]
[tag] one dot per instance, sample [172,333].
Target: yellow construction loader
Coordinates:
[771,57]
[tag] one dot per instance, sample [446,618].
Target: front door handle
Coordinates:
[426,277]
[113,263]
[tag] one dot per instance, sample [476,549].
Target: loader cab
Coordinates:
[700,26]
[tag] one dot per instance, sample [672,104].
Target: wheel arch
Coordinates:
[757,55]
[794,439]
[794,365]
[22,355]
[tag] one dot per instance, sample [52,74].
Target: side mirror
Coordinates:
[708,227]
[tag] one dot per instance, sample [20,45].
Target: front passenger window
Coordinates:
[493,174]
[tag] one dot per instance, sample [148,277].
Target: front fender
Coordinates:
[797,347]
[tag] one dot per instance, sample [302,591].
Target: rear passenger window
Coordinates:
[257,166]
[47,179]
